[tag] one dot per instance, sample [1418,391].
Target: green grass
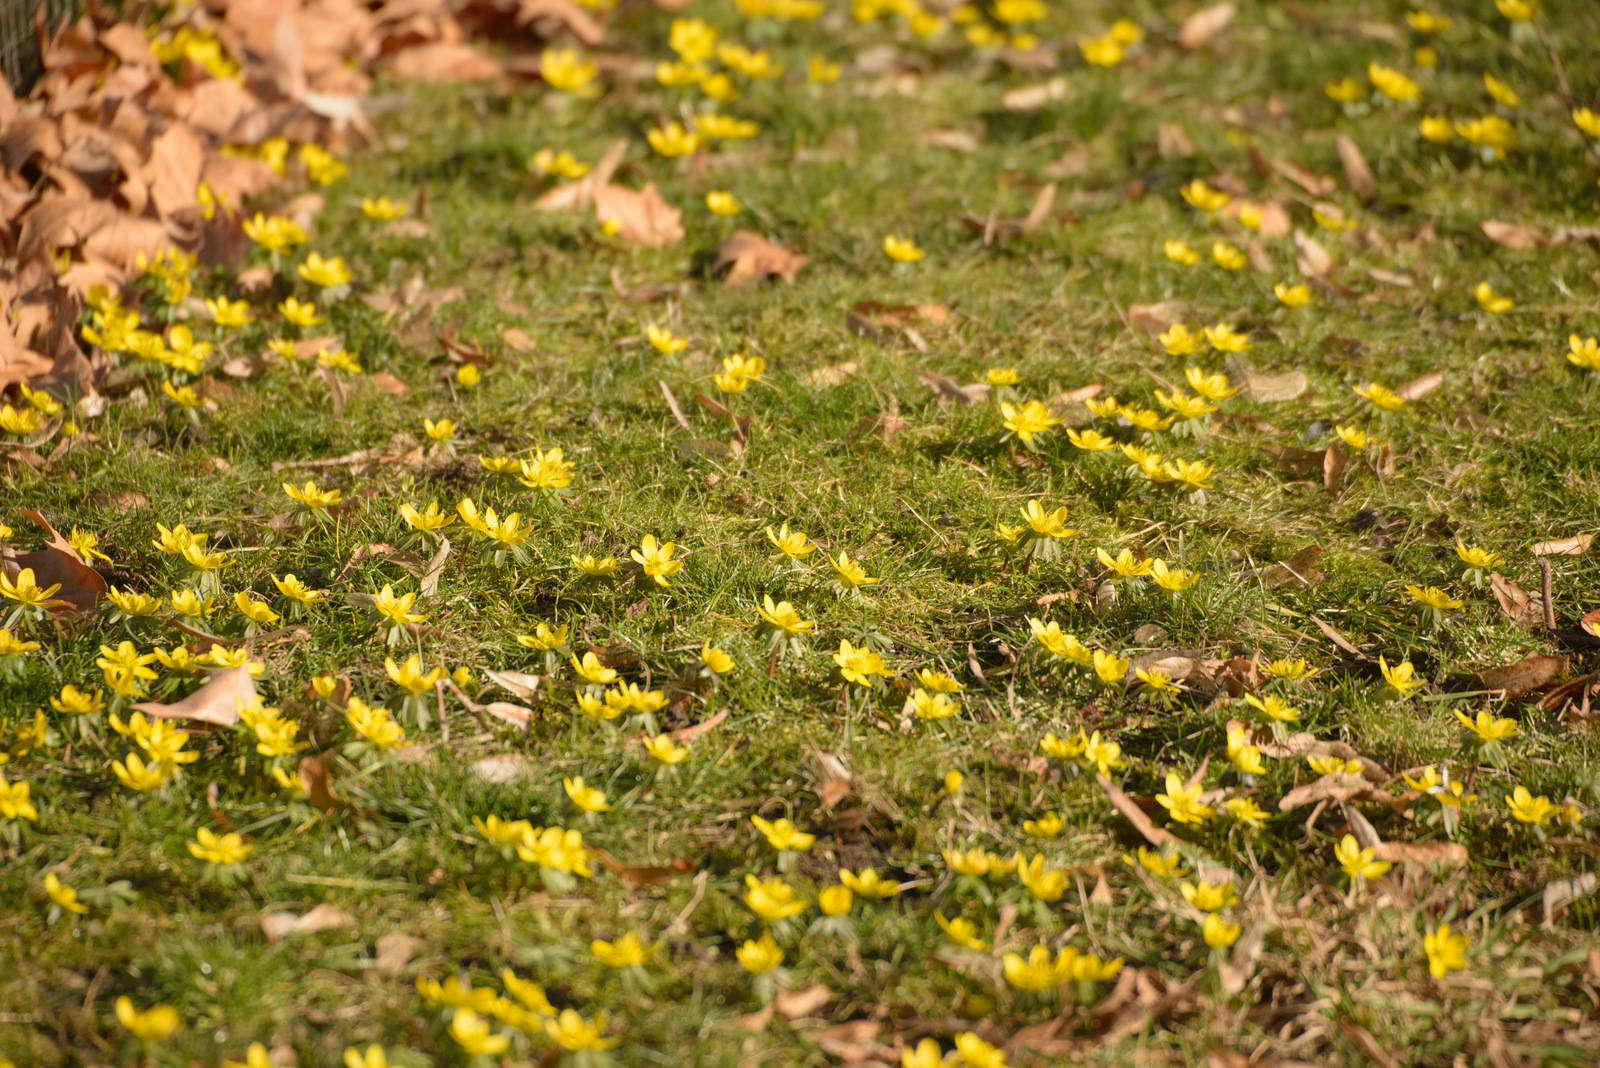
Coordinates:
[1501,455]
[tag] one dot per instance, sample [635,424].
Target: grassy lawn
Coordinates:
[1214,856]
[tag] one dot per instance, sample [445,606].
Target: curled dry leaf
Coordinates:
[1420,386]
[313,774]
[1334,462]
[502,768]
[1356,170]
[1518,605]
[1529,673]
[1296,569]
[1576,545]
[82,587]
[642,218]
[1159,317]
[793,1004]
[1511,235]
[1135,815]
[1338,787]
[1311,259]
[1425,854]
[1205,24]
[948,390]
[216,702]
[754,257]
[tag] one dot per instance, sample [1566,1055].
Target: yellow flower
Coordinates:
[1090,441]
[1292,296]
[1357,862]
[276,234]
[1223,338]
[858,665]
[573,1033]
[866,883]
[976,1053]
[693,39]
[656,560]
[952,782]
[1587,121]
[738,371]
[1047,826]
[932,706]
[410,674]
[1179,252]
[1502,93]
[1104,51]
[962,932]
[382,208]
[1433,597]
[1490,301]
[135,774]
[64,896]
[1525,808]
[664,751]
[1047,886]
[1174,580]
[782,835]
[1214,388]
[1436,128]
[783,616]
[1030,419]
[155,1024]
[212,848]
[1399,677]
[672,140]
[1345,90]
[1273,708]
[26,591]
[1516,10]
[1059,644]
[564,68]
[562,164]
[312,496]
[629,951]
[252,609]
[298,313]
[1380,396]
[1447,951]
[1491,131]
[441,430]
[324,273]
[1391,83]
[1183,802]
[771,899]
[1208,897]
[468,375]
[471,1033]
[758,957]
[1245,810]
[596,568]
[714,127]
[588,798]
[822,72]
[1242,755]
[229,313]
[1228,257]
[721,202]
[790,544]
[295,590]
[1047,524]
[1474,556]
[1354,437]
[396,609]
[1219,933]
[1159,864]
[663,340]
[1427,22]
[1204,197]
[903,250]
[1178,341]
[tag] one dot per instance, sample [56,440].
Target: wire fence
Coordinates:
[19,43]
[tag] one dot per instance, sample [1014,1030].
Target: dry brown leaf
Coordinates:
[1159,317]
[1423,853]
[1511,235]
[1337,787]
[389,384]
[313,775]
[1034,97]
[793,1004]
[754,257]
[1205,24]
[1298,568]
[58,563]
[1558,895]
[1529,673]
[1172,142]
[517,338]
[1334,463]
[1270,388]
[1576,545]
[1042,203]
[1318,185]
[502,767]
[835,374]
[1391,278]
[1420,386]
[521,684]
[1356,170]
[949,390]
[1518,605]
[641,218]
[216,702]
[279,925]
[1311,259]
[444,61]
[648,875]
[1591,623]
[1135,815]
[395,950]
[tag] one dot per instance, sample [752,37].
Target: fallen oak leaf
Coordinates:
[217,701]
[754,257]
[1529,673]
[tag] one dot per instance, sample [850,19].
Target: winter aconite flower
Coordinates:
[1224,338]
[757,957]
[1526,808]
[1292,296]
[1391,83]
[1030,419]
[902,250]
[655,559]
[867,883]
[1204,197]
[564,68]
[155,1024]
[1490,301]
[782,836]
[1380,397]
[1446,950]
[1358,863]
[1400,677]
[1179,252]
[1183,802]
[663,340]
[573,1033]
[782,616]
[858,665]
[1219,933]
[218,849]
